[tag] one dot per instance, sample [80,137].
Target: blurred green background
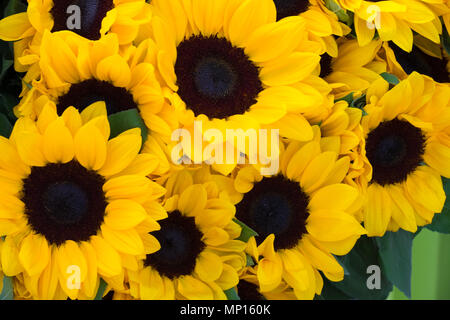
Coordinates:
[430,267]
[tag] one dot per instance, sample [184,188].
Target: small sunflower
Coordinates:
[341,132]
[229,64]
[302,216]
[80,73]
[408,149]
[97,18]
[395,20]
[74,202]
[354,69]
[199,256]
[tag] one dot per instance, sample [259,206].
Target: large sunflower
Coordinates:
[230,65]
[408,149]
[354,69]
[97,18]
[302,216]
[74,202]
[395,20]
[199,256]
[79,73]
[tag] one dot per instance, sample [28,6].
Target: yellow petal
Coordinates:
[192,200]
[126,241]
[335,196]
[250,15]
[10,258]
[377,211]
[124,214]
[109,262]
[90,147]
[332,225]
[292,68]
[208,266]
[15,27]
[114,69]
[58,143]
[34,254]
[122,150]
[194,289]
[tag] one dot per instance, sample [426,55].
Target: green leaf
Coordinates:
[232,294]
[125,120]
[7,104]
[390,78]
[341,13]
[445,39]
[250,262]
[5,126]
[7,292]
[348,98]
[395,250]
[359,103]
[15,6]
[356,262]
[330,292]
[441,221]
[246,232]
[101,290]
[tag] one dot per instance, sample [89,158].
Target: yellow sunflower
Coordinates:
[341,132]
[75,206]
[95,20]
[303,216]
[199,256]
[395,20]
[81,73]
[229,65]
[407,145]
[354,69]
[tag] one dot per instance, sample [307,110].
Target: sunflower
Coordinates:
[97,18]
[229,64]
[433,63]
[199,256]
[80,73]
[354,69]
[406,132]
[302,216]
[321,23]
[74,203]
[341,132]
[395,20]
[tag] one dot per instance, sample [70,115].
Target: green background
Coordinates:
[430,267]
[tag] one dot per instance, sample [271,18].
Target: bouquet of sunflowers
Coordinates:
[220,149]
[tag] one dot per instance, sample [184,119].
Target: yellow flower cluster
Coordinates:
[195,149]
